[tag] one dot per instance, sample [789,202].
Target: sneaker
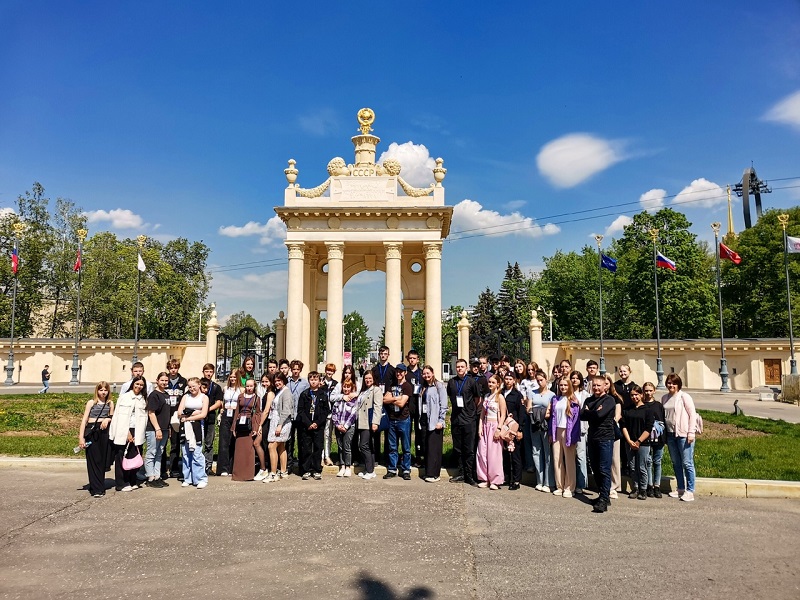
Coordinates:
[493,487]
[407,476]
[688,497]
[155,483]
[361,474]
[184,484]
[641,496]
[649,491]
[283,474]
[347,472]
[306,476]
[633,494]
[567,494]
[613,494]
[600,506]
[224,474]
[341,472]
[370,475]
[656,492]
[483,484]
[432,479]
[676,493]
[390,474]
[546,489]
[539,487]
[514,486]
[270,478]
[317,476]
[558,492]
[202,484]
[97,495]
[127,488]
[260,476]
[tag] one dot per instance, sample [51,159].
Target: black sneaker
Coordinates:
[633,494]
[457,479]
[156,483]
[513,486]
[641,496]
[390,474]
[649,491]
[317,476]
[407,476]
[471,482]
[600,506]
[656,492]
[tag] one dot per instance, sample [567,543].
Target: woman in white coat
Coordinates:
[126,432]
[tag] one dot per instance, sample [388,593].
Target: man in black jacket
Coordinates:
[312,413]
[462,392]
[599,412]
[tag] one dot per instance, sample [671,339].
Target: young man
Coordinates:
[592,371]
[312,414]
[272,367]
[395,403]
[384,377]
[563,371]
[176,388]
[45,380]
[283,367]
[599,412]
[462,393]
[215,401]
[297,385]
[414,377]
[137,370]
[483,368]
[327,386]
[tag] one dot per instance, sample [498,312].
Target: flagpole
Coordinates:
[784,220]
[140,240]
[723,363]
[79,264]
[659,365]
[18,227]
[599,240]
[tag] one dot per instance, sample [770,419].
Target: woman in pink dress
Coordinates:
[490,445]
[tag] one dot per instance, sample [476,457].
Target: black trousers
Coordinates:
[208,441]
[365,445]
[464,444]
[291,442]
[420,430]
[97,461]
[171,463]
[310,442]
[512,463]
[123,478]
[434,441]
[226,446]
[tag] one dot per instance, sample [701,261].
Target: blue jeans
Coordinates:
[542,461]
[581,474]
[194,464]
[600,454]
[639,471]
[682,456]
[654,466]
[152,457]
[401,428]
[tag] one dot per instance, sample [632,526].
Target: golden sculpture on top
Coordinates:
[366,116]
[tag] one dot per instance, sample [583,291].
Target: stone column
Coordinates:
[212,331]
[393,299]
[280,336]
[535,331]
[294,302]
[309,351]
[408,314]
[433,305]
[463,336]
[333,333]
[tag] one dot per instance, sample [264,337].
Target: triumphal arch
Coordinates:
[358,220]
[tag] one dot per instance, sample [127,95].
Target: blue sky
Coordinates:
[177,119]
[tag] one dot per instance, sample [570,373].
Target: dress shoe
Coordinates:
[457,479]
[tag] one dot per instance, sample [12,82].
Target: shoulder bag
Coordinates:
[131,464]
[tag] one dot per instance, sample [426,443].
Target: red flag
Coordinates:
[727,253]
[77,266]
[15,260]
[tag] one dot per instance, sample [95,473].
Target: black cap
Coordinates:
[401,367]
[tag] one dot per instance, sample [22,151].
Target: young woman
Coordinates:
[565,431]
[328,385]
[157,431]
[267,396]
[616,458]
[537,404]
[247,370]
[93,437]
[657,440]
[280,427]
[348,373]
[528,386]
[637,424]
[512,451]
[345,413]
[230,398]
[582,476]
[433,407]
[246,429]
[489,460]
[193,411]
[369,417]
[126,431]
[681,425]
[519,372]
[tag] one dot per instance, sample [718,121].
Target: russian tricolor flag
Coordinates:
[15,260]
[663,262]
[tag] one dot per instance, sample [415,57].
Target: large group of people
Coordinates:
[505,417]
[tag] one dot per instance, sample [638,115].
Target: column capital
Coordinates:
[296,249]
[433,250]
[335,250]
[393,249]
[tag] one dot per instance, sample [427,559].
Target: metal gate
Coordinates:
[498,342]
[232,351]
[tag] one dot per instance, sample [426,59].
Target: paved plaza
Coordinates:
[342,538]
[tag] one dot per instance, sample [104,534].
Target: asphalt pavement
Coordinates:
[347,538]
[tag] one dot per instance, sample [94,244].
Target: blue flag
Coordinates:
[608,263]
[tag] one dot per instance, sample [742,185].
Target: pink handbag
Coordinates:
[131,464]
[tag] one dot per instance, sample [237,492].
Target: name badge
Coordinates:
[229,413]
[460,401]
[383,388]
[425,409]
[417,389]
[242,420]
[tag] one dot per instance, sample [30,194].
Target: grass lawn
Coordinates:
[730,447]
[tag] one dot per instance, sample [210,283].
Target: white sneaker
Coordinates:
[567,494]
[260,476]
[347,472]
[283,474]
[539,487]
[676,493]
[361,474]
[184,484]
[688,497]
[432,479]
[341,472]
[370,475]
[270,478]
[224,474]
[202,484]
[558,492]
[613,494]
[127,488]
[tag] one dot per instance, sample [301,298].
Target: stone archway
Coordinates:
[363,224]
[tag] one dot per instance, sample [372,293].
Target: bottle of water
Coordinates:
[77,449]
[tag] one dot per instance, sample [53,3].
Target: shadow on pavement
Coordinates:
[374,589]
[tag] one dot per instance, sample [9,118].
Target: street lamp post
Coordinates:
[550,314]
[784,220]
[18,228]
[723,363]
[78,267]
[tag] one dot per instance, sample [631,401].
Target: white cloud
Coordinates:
[575,157]
[701,193]
[6,211]
[271,232]
[618,225]
[120,218]
[470,217]
[787,111]
[266,286]
[514,204]
[321,122]
[653,200]
[416,162]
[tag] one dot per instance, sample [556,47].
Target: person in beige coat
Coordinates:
[370,412]
[127,427]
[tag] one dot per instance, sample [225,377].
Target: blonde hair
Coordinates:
[103,385]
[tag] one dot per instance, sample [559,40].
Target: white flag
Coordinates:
[792,244]
[141,265]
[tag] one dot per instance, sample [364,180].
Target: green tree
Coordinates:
[484,321]
[514,303]
[238,321]
[66,219]
[355,332]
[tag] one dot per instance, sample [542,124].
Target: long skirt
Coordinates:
[244,457]
[490,455]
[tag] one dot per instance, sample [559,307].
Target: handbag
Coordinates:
[131,464]
[508,431]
